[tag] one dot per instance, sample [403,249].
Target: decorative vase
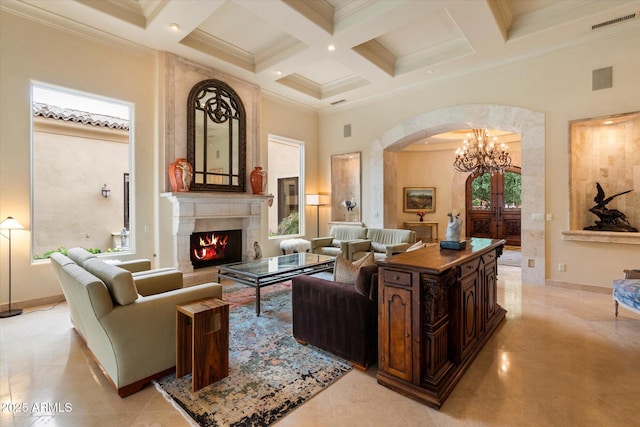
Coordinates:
[180,175]
[258,180]
[421,219]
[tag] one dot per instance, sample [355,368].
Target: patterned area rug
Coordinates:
[269,372]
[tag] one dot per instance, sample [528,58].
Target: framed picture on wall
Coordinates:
[419,199]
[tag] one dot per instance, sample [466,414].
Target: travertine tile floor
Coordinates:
[560,359]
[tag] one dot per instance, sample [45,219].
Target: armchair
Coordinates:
[341,318]
[128,320]
[336,243]
[382,242]
[626,292]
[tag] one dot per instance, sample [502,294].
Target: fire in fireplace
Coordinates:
[215,247]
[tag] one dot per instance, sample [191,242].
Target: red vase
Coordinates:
[180,175]
[258,180]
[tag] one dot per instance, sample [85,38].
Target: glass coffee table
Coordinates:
[268,271]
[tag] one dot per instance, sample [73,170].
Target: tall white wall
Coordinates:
[36,52]
[558,85]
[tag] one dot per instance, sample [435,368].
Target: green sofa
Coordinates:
[128,320]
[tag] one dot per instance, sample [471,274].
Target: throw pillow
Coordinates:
[118,280]
[345,271]
[379,247]
[365,280]
[416,245]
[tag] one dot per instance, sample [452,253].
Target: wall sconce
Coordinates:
[105,191]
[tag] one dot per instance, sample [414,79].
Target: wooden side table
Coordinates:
[202,341]
[432,225]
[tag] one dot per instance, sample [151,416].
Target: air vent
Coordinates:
[338,102]
[614,21]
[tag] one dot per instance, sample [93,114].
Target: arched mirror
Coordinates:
[216,137]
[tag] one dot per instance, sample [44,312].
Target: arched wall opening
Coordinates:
[529,124]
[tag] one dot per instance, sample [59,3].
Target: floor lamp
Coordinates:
[10,224]
[317,200]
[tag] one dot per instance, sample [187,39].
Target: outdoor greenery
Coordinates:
[481,191]
[290,224]
[63,251]
[512,190]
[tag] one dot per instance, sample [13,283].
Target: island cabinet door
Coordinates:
[489,279]
[395,332]
[469,315]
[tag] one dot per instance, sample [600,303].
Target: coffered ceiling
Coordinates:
[379,45]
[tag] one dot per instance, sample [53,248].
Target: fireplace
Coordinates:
[201,211]
[215,247]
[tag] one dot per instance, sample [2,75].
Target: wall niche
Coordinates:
[604,150]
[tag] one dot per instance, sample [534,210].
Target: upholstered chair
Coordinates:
[336,243]
[128,320]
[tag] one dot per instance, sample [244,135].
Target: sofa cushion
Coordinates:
[345,233]
[382,237]
[328,250]
[118,280]
[80,255]
[345,271]
[364,281]
[378,247]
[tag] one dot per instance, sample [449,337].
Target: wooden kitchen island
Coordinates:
[436,310]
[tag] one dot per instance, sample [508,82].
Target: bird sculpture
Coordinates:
[610,219]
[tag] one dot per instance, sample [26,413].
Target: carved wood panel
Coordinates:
[396,332]
[468,313]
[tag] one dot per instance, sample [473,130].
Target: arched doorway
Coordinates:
[493,206]
[382,195]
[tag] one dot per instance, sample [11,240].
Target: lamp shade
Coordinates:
[10,224]
[317,199]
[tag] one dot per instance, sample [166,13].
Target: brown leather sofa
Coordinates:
[338,317]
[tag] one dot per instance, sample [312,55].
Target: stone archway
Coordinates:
[529,124]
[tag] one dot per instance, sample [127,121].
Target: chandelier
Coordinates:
[480,156]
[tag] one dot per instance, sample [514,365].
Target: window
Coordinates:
[285,174]
[80,174]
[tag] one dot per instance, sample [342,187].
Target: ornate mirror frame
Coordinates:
[216,114]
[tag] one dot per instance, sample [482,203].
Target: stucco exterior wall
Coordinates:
[70,167]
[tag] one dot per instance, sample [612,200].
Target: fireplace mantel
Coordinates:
[196,211]
[202,204]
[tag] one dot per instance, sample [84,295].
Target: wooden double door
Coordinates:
[493,204]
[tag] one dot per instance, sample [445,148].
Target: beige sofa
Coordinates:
[336,243]
[128,320]
[383,242]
